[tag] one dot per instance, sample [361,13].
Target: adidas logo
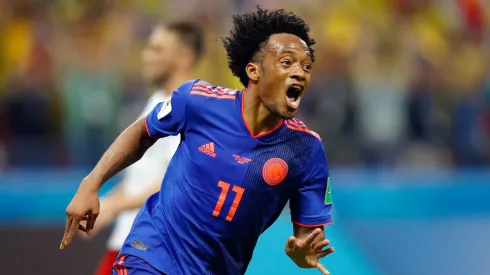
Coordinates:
[208,149]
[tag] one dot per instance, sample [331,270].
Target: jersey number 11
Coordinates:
[225,187]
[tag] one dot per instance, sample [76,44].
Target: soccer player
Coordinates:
[168,59]
[242,157]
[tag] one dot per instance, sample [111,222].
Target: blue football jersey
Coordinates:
[224,186]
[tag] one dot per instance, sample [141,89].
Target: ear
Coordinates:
[253,71]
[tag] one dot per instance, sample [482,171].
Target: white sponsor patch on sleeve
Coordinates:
[165,109]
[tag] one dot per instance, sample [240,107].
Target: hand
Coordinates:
[305,253]
[108,212]
[83,207]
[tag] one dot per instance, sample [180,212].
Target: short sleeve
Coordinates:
[168,118]
[311,203]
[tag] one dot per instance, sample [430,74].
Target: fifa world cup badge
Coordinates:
[165,109]
[328,193]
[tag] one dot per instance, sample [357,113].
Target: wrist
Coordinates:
[89,184]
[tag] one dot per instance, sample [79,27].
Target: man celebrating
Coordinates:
[242,157]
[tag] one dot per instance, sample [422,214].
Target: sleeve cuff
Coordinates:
[312,225]
[313,221]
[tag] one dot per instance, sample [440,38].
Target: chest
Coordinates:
[258,166]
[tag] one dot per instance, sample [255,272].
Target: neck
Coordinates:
[174,82]
[256,115]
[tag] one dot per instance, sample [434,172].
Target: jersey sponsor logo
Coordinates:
[241,160]
[328,193]
[165,109]
[275,171]
[208,149]
[139,245]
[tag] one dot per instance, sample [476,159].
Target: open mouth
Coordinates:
[293,95]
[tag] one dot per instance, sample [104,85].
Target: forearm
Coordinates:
[128,148]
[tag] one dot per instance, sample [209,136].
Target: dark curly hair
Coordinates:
[252,31]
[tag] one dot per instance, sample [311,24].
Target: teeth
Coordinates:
[297,88]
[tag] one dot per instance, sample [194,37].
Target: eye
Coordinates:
[307,67]
[286,62]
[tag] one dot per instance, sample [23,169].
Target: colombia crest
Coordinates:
[275,171]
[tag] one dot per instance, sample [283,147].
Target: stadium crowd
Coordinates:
[396,82]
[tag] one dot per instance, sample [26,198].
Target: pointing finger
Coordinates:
[73,229]
[67,229]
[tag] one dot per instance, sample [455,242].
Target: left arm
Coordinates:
[310,211]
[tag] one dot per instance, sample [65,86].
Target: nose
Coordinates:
[298,73]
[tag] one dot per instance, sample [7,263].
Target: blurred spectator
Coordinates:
[382,71]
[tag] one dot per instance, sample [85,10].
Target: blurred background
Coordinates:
[400,95]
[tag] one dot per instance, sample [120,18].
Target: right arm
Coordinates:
[167,118]
[128,148]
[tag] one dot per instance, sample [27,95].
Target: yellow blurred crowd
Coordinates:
[374,58]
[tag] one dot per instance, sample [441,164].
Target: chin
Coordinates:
[287,114]
[283,113]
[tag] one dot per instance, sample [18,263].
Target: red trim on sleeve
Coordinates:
[312,225]
[146,126]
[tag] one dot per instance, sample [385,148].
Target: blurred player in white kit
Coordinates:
[171,54]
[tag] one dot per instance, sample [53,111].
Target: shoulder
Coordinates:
[204,89]
[200,88]
[307,148]
[303,140]
[185,88]
[205,98]
[300,128]
[316,165]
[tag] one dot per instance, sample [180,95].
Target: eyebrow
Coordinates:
[294,52]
